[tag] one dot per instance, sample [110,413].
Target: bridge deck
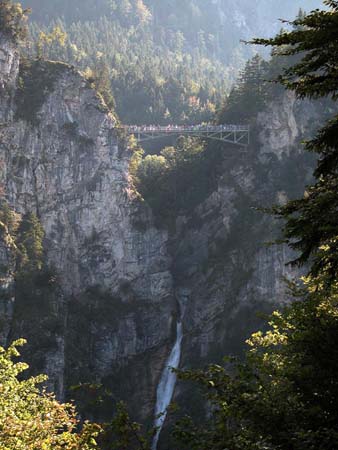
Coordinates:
[233,134]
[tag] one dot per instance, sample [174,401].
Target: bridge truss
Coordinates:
[230,134]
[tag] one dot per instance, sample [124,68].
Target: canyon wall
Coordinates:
[62,160]
[112,318]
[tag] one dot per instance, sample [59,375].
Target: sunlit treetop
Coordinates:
[13,20]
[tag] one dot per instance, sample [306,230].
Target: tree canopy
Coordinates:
[12,20]
[284,395]
[311,222]
[30,418]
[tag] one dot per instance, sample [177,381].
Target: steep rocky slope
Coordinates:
[62,160]
[123,282]
[224,273]
[220,253]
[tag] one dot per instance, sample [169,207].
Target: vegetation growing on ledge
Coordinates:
[9,222]
[36,81]
[36,284]
[176,180]
[9,219]
[99,78]
[12,20]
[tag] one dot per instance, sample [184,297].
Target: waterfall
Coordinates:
[166,387]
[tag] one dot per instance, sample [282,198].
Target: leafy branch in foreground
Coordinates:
[30,418]
[285,395]
[125,434]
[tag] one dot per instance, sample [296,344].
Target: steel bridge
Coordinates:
[231,134]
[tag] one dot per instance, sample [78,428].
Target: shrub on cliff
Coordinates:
[174,181]
[12,20]
[29,240]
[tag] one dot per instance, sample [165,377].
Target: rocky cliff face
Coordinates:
[112,318]
[224,272]
[7,269]
[63,161]
[9,68]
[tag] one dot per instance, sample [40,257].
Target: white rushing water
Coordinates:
[166,387]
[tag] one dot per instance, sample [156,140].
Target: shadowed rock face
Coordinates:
[9,63]
[66,164]
[7,268]
[224,273]
[113,318]
[9,69]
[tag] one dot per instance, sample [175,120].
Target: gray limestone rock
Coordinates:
[113,318]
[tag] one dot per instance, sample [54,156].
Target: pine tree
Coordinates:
[285,395]
[311,222]
[249,94]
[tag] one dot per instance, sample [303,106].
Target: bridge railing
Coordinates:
[184,128]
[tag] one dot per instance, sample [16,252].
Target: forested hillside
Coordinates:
[175,60]
[218,24]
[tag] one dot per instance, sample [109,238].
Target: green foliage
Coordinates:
[125,434]
[311,225]
[174,181]
[285,395]
[12,20]
[9,222]
[30,244]
[46,40]
[8,218]
[151,82]
[101,82]
[314,37]
[250,93]
[30,418]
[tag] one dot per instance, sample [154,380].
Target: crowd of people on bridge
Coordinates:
[184,128]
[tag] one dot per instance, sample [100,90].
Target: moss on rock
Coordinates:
[36,80]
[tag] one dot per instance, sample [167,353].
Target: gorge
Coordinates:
[132,295]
